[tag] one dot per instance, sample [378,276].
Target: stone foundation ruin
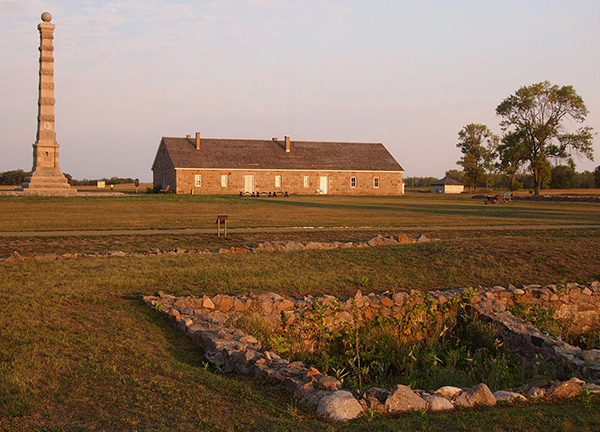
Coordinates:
[208,320]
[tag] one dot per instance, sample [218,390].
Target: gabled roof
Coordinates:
[447,181]
[269,154]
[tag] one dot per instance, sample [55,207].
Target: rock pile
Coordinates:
[576,305]
[207,320]
[277,246]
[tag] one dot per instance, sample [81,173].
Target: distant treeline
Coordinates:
[561,177]
[16,177]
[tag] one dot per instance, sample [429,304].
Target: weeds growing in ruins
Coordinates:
[427,346]
[544,320]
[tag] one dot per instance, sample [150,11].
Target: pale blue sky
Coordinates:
[409,74]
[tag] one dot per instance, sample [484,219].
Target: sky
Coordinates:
[407,73]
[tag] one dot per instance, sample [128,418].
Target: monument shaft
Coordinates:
[46,176]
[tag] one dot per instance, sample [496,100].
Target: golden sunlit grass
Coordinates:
[79,352]
[182,211]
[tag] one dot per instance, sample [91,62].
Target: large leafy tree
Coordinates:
[534,125]
[477,143]
[597,176]
[510,155]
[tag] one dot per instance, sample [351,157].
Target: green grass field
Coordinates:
[182,211]
[78,351]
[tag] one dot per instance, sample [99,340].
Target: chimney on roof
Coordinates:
[275,139]
[188,136]
[288,144]
[197,140]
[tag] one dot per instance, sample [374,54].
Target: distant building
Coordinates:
[230,166]
[447,185]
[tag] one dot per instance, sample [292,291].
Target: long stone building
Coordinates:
[195,165]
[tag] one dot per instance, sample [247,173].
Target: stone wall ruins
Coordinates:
[208,320]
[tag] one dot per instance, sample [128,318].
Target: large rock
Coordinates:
[15,257]
[313,398]
[475,396]
[422,239]
[535,392]
[568,389]
[375,399]
[507,396]
[592,388]
[340,406]
[592,355]
[438,403]
[403,399]
[376,240]
[404,239]
[386,301]
[223,302]
[448,392]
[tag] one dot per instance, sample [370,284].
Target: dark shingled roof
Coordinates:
[269,154]
[447,181]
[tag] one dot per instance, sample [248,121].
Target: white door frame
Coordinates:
[323,185]
[249,184]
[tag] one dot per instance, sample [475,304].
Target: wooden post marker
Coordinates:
[222,219]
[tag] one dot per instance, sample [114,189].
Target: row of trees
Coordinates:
[533,136]
[561,177]
[12,178]
[16,178]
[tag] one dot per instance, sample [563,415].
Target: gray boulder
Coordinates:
[507,396]
[448,392]
[476,396]
[438,403]
[340,406]
[403,399]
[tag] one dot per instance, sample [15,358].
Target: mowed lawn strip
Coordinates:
[78,350]
[33,246]
[182,211]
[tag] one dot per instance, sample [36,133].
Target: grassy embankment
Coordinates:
[79,352]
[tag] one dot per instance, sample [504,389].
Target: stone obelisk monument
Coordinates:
[46,177]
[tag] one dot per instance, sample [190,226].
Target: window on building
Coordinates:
[277,181]
[306,181]
[224,180]
[198,180]
[376,182]
[353,182]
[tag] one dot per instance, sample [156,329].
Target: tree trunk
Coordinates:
[537,181]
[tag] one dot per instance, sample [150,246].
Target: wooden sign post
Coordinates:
[222,219]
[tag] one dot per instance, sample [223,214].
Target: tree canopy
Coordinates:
[477,143]
[534,128]
[12,178]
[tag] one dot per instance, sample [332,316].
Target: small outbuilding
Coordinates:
[447,185]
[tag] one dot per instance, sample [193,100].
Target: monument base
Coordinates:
[47,182]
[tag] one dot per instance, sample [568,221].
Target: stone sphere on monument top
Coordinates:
[46,17]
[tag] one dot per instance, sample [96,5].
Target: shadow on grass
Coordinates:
[181,346]
[505,212]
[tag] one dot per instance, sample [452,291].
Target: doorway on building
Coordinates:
[249,184]
[323,185]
